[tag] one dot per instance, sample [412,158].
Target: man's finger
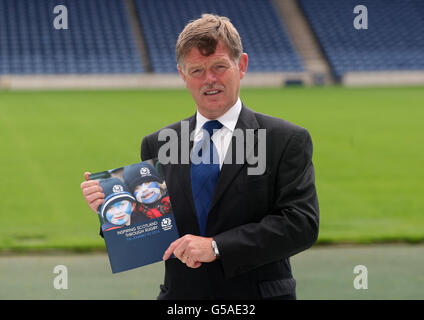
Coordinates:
[168,252]
[96,204]
[89,190]
[191,263]
[94,197]
[179,251]
[89,183]
[87,176]
[172,248]
[195,265]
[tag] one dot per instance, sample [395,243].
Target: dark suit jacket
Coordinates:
[257,221]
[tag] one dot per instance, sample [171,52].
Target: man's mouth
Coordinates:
[212,92]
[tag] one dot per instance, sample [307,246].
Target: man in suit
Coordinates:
[237,230]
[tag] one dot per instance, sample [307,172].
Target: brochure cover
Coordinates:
[136,216]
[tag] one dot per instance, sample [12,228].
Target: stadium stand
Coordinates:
[264,36]
[131,43]
[99,39]
[394,40]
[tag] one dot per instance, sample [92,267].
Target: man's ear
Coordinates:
[243,62]
[133,204]
[181,72]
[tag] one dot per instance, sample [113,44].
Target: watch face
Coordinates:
[215,249]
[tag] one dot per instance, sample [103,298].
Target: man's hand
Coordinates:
[191,250]
[93,193]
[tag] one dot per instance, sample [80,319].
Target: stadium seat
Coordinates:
[263,35]
[99,38]
[394,39]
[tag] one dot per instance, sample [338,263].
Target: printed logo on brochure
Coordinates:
[166,224]
[144,172]
[117,188]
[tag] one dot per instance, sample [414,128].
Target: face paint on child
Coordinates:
[147,192]
[119,213]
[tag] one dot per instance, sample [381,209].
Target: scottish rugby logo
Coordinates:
[117,188]
[166,224]
[144,172]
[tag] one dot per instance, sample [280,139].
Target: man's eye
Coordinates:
[197,72]
[220,68]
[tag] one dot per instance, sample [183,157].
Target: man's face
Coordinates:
[147,192]
[119,213]
[213,81]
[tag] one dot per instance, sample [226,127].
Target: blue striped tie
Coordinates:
[204,175]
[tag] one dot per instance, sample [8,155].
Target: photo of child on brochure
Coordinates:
[133,194]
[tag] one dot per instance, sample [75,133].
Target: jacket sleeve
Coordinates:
[145,153]
[292,225]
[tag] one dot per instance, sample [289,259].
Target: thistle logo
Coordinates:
[117,188]
[144,172]
[166,224]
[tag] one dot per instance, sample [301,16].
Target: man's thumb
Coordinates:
[87,176]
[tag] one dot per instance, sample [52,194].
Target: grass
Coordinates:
[321,273]
[368,157]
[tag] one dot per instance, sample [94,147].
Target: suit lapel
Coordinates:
[183,169]
[230,169]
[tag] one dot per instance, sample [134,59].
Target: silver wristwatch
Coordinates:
[215,249]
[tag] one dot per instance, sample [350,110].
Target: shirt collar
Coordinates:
[228,119]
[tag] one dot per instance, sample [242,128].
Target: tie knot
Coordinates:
[211,125]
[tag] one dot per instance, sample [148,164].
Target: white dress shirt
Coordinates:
[222,137]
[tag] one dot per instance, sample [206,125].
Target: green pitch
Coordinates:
[368,156]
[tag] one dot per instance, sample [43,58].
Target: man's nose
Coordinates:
[210,76]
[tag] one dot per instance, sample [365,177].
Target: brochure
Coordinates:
[136,216]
